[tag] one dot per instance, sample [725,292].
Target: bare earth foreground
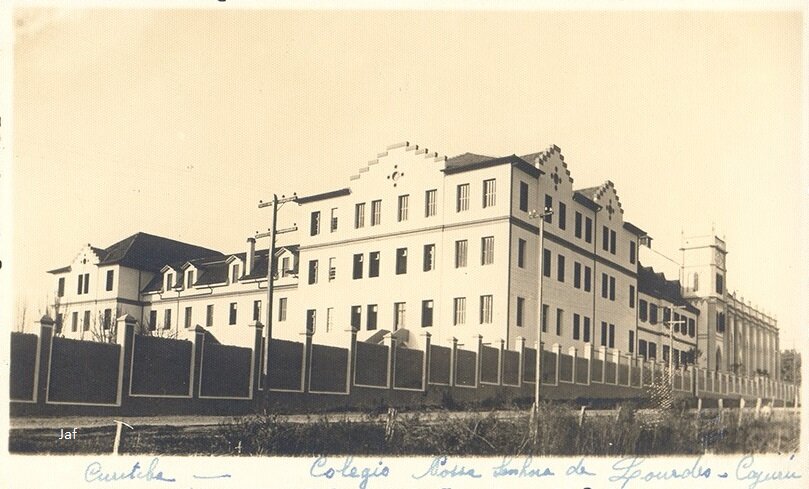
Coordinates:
[604,432]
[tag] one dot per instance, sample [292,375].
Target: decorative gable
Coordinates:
[392,170]
[552,163]
[607,197]
[88,255]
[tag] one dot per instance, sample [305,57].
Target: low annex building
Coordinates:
[416,242]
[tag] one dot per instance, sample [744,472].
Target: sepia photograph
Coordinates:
[395,245]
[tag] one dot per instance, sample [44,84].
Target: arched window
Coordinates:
[696,281]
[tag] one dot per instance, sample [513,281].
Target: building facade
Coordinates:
[419,243]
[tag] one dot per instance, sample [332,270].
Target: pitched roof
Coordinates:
[471,161]
[656,285]
[466,159]
[589,192]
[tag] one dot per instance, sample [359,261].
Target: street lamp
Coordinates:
[534,214]
[670,324]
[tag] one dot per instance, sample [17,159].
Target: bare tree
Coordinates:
[105,331]
[149,329]
[22,312]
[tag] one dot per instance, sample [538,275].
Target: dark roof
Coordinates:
[148,252]
[326,195]
[589,192]
[60,270]
[471,161]
[656,285]
[634,229]
[586,201]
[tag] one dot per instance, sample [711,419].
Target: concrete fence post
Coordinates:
[352,360]
[521,366]
[616,355]
[425,369]
[307,361]
[478,358]
[43,359]
[125,336]
[573,353]
[453,359]
[588,354]
[391,341]
[557,349]
[602,355]
[500,361]
[199,352]
[255,367]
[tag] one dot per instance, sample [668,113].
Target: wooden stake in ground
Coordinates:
[117,443]
[581,415]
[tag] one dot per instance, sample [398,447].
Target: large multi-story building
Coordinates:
[416,242]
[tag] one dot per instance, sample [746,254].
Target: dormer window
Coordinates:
[234,276]
[169,281]
[189,279]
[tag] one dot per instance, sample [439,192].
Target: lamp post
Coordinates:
[670,324]
[534,214]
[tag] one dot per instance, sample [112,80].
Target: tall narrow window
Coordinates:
[108,317]
[312,272]
[429,257]
[311,320]
[576,326]
[613,239]
[232,314]
[652,313]
[603,333]
[86,283]
[429,203]
[587,278]
[486,304]
[373,265]
[356,272]
[87,320]
[356,317]
[282,309]
[333,222]
[74,321]
[403,204]
[521,252]
[462,198]
[152,320]
[577,224]
[329,319]
[487,250]
[588,230]
[586,335]
[460,253]
[576,274]
[612,288]
[523,196]
[489,193]
[209,315]
[546,310]
[257,310]
[359,215]
[605,286]
[189,279]
[548,205]
[314,224]
[643,312]
[720,283]
[110,279]
[520,310]
[401,261]
[642,348]
[426,313]
[560,268]
[285,269]
[653,351]
[376,212]
[332,268]
[60,289]
[372,313]
[632,296]
[559,319]
[398,315]
[631,342]
[632,252]
[459,310]
[187,318]
[235,273]
[546,262]
[166,319]
[562,215]
[691,327]
[605,238]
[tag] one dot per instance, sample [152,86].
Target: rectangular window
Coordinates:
[460,253]
[285,269]
[257,310]
[167,319]
[666,314]
[311,320]
[612,336]
[632,296]
[676,323]
[548,206]
[489,193]
[523,196]
[60,288]
[332,268]
[187,319]
[520,310]
[314,224]
[80,285]
[652,313]
[562,215]
[576,274]
[521,252]
[459,310]
[577,224]
[312,272]
[429,203]
[86,283]
[462,198]
[372,311]
[665,353]
[605,286]
[429,257]
[546,262]
[232,314]
[643,309]
[403,204]
[356,317]
[642,351]
[236,274]
[356,272]
[398,315]
[376,212]
[603,333]
[652,351]
[282,309]
[587,278]
[426,314]
[576,326]
[605,238]
[209,315]
[691,327]
[108,318]
[612,288]
[545,312]
[86,324]
[110,278]
[152,320]
[559,319]
[632,252]
[333,222]
[588,230]
[487,250]
[486,304]
[613,239]
[74,321]
[189,279]
[373,266]
[560,268]
[329,319]
[720,283]
[631,342]
[359,215]
[586,336]
[401,261]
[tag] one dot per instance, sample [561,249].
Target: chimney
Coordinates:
[250,257]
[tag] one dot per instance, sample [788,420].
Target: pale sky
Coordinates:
[178,122]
